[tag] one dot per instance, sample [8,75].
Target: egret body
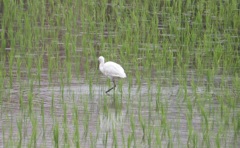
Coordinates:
[112,70]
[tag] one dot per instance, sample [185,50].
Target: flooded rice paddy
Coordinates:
[181,60]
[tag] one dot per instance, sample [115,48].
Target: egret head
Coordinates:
[101,59]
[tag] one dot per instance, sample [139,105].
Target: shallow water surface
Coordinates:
[131,116]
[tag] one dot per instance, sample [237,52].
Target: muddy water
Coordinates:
[106,117]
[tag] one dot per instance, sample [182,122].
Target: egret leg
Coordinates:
[114,85]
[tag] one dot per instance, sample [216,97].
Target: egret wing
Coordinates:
[113,69]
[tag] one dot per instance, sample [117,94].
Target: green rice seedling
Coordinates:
[209,79]
[105,140]
[218,140]
[206,140]
[158,95]
[62,85]
[237,127]
[158,138]
[69,72]
[1,84]
[21,100]
[138,79]
[34,131]
[67,48]
[205,126]
[150,112]
[98,128]
[105,106]
[29,65]
[123,137]
[217,56]
[39,69]
[129,144]
[77,66]
[3,39]
[115,142]
[236,84]
[76,127]
[194,89]
[226,115]
[28,32]
[189,106]
[20,132]
[86,118]
[90,88]
[11,61]
[30,97]
[19,62]
[9,141]
[190,129]
[93,141]
[43,118]
[117,104]
[163,114]
[222,106]
[170,138]
[150,129]
[129,92]
[86,68]
[52,105]
[141,120]
[195,139]
[50,68]
[120,87]
[199,65]
[56,134]
[65,126]
[51,65]
[132,124]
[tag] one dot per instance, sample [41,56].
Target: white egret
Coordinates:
[112,70]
